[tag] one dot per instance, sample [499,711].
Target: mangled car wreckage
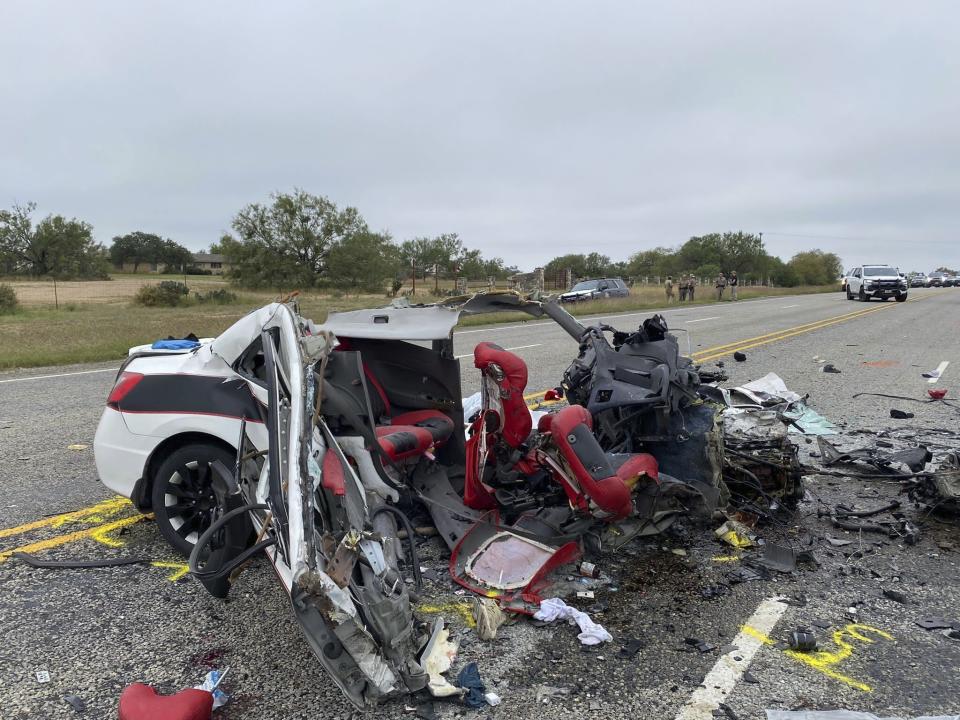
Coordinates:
[346,428]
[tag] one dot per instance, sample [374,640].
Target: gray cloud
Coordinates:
[529,129]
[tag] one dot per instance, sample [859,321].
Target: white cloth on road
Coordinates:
[556,609]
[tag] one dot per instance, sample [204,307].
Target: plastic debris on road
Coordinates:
[211,683]
[591,633]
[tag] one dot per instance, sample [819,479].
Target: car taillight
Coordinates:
[125,383]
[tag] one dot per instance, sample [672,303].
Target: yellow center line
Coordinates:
[93,513]
[98,533]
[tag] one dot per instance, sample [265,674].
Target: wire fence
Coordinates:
[57,294]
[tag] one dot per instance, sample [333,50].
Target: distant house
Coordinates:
[215,263]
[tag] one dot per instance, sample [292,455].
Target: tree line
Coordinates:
[300,240]
[707,256]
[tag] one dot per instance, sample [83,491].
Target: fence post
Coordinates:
[56,299]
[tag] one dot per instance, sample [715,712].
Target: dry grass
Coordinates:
[105,329]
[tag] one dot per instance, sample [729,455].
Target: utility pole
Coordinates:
[413,274]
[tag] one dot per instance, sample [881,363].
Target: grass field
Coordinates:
[105,329]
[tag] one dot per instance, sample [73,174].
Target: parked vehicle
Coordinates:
[935,279]
[876,281]
[949,281]
[843,280]
[593,289]
[918,280]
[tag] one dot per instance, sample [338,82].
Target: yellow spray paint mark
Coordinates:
[100,533]
[452,607]
[179,569]
[94,513]
[825,661]
[725,558]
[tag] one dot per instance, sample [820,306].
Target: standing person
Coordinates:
[682,284]
[733,285]
[668,286]
[721,285]
[691,286]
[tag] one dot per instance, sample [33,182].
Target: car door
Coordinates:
[856,281]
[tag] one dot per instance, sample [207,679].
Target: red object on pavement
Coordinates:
[551,395]
[141,702]
[937,393]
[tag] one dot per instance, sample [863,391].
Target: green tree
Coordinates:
[286,243]
[147,248]
[425,253]
[815,267]
[591,265]
[364,261]
[55,247]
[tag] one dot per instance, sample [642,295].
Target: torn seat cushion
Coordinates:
[517,422]
[401,442]
[572,432]
[435,422]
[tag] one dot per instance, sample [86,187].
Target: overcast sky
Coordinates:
[530,129]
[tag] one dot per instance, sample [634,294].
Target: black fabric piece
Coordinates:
[469,679]
[402,442]
[739,356]
[900,414]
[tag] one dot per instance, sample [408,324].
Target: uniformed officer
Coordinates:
[721,285]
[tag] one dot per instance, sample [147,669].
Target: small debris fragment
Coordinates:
[937,623]
[77,446]
[701,645]
[43,676]
[830,368]
[76,702]
[895,595]
[739,356]
[937,393]
[632,647]
[900,414]
[837,542]
[749,678]
[802,640]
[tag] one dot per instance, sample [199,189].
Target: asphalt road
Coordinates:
[95,631]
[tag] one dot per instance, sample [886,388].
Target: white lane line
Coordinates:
[727,672]
[717,317]
[941,368]
[787,307]
[58,375]
[511,349]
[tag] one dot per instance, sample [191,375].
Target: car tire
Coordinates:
[182,493]
[863,296]
[902,297]
[849,294]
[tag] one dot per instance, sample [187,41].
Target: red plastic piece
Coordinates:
[937,393]
[551,395]
[333,477]
[517,422]
[141,702]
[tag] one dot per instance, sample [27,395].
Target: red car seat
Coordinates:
[407,435]
[509,373]
[602,482]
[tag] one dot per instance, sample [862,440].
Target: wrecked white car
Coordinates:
[358,423]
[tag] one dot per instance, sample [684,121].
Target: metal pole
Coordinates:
[413,273]
[56,299]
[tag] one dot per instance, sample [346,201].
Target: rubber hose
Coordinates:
[405,521]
